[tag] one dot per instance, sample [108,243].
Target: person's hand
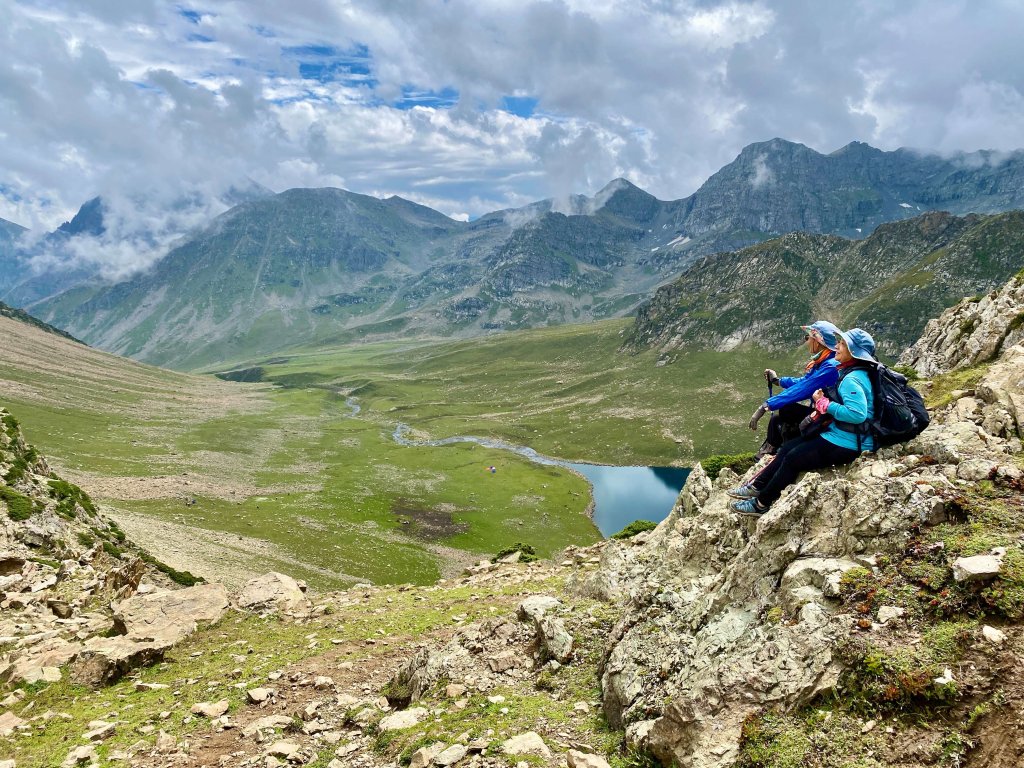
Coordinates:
[761,411]
[821,405]
[818,394]
[771,376]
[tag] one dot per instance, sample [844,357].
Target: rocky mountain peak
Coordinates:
[776,147]
[88,220]
[623,198]
[857,149]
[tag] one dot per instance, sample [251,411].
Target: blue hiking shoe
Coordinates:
[744,492]
[748,507]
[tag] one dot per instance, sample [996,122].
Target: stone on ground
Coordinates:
[266,723]
[79,756]
[9,722]
[259,695]
[451,756]
[529,743]
[977,568]
[210,710]
[423,756]
[407,718]
[584,760]
[555,639]
[533,608]
[272,591]
[100,730]
[283,749]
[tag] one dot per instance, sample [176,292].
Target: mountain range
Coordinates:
[889,283]
[310,266]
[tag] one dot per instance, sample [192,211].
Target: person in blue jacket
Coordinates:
[788,411]
[845,410]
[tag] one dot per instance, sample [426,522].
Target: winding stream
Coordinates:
[621,494]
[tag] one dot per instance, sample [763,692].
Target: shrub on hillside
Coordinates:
[527,553]
[631,530]
[737,462]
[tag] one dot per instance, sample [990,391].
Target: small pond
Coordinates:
[621,494]
[625,494]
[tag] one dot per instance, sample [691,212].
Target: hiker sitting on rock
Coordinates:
[834,434]
[821,372]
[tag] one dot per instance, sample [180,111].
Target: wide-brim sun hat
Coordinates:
[860,344]
[824,331]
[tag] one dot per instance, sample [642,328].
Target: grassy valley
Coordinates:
[233,478]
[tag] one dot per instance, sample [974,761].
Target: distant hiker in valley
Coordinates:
[834,433]
[820,372]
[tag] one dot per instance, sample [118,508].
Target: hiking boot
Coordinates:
[744,492]
[748,507]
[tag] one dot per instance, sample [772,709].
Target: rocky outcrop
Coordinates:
[74,593]
[974,331]
[727,617]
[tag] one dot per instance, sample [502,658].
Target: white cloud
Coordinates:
[762,173]
[143,102]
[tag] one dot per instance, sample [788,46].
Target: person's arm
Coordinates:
[854,408]
[801,389]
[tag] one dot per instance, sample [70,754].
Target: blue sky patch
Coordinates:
[523,106]
[420,97]
[328,64]
[187,13]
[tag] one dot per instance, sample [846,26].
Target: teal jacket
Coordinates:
[858,406]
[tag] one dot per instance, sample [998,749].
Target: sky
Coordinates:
[469,106]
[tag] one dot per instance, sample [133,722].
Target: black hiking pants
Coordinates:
[795,457]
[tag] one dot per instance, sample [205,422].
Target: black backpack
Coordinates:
[900,414]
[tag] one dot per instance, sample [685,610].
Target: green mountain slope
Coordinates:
[889,283]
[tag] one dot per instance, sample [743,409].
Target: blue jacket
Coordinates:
[824,374]
[857,407]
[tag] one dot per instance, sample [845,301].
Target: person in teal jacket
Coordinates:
[788,408]
[848,408]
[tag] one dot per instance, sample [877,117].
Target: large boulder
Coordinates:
[273,592]
[168,617]
[105,660]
